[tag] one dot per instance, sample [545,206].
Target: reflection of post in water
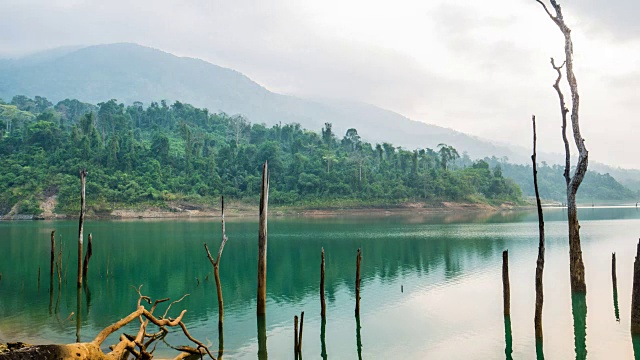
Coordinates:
[539,350]
[87,294]
[262,338]
[53,257]
[635,340]
[358,338]
[579,310]
[220,341]
[78,313]
[323,344]
[508,338]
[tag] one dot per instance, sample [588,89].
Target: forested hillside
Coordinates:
[150,156]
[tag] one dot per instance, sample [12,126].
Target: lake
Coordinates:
[431,284]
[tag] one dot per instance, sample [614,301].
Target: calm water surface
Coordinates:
[448,266]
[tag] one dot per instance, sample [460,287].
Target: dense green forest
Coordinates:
[152,156]
[162,153]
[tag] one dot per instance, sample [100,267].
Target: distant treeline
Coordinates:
[153,155]
[162,152]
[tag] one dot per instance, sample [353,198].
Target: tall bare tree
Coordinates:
[576,265]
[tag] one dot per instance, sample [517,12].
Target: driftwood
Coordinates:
[137,345]
[216,270]
[261,300]
[576,265]
[537,319]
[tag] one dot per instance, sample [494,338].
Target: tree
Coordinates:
[447,153]
[576,265]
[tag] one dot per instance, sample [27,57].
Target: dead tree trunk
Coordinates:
[505,283]
[300,335]
[358,260]
[262,243]
[83,180]
[323,305]
[53,256]
[540,262]
[635,295]
[87,257]
[216,270]
[576,265]
[614,277]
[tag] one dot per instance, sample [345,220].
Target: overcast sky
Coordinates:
[481,67]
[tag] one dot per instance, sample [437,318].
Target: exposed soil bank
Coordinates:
[183,210]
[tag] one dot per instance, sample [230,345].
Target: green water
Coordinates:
[431,285]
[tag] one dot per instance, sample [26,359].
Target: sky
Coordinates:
[480,67]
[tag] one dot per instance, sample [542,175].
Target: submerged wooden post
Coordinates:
[87,257]
[300,335]
[53,255]
[216,270]
[614,277]
[537,319]
[505,283]
[262,243]
[635,295]
[323,305]
[358,260]
[295,337]
[83,181]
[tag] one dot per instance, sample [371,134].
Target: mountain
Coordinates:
[130,72]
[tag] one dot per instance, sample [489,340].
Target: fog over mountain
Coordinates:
[130,72]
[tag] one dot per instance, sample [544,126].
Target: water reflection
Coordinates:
[635,339]
[508,338]
[579,310]
[616,310]
[78,312]
[358,338]
[323,345]
[539,349]
[220,341]
[262,338]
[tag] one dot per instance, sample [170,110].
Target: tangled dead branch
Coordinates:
[129,346]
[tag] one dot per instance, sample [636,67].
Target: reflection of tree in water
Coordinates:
[579,310]
[391,248]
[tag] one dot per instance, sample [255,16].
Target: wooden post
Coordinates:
[262,243]
[216,269]
[300,335]
[537,319]
[323,305]
[505,283]
[614,277]
[38,278]
[295,337]
[53,255]
[358,260]
[635,295]
[87,257]
[83,181]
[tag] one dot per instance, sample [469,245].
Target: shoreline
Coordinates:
[244,210]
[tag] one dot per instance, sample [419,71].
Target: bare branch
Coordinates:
[174,302]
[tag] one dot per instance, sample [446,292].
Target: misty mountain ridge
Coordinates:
[131,72]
